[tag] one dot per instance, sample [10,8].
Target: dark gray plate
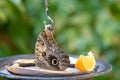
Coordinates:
[100,69]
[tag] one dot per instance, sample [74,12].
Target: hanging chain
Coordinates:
[47,14]
[48,26]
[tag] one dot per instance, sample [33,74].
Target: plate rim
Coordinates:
[9,76]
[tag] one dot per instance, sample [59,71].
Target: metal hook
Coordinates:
[49,26]
[47,14]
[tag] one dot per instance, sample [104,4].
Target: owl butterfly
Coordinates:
[48,55]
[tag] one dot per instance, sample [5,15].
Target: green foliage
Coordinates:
[80,26]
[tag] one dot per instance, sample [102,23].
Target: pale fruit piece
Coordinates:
[86,63]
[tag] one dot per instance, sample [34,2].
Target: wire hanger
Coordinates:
[48,26]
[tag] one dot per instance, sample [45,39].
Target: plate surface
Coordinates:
[100,69]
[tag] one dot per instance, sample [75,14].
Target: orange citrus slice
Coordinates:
[86,63]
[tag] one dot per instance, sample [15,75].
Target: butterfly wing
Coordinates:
[48,55]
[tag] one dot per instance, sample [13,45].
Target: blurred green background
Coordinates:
[80,26]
